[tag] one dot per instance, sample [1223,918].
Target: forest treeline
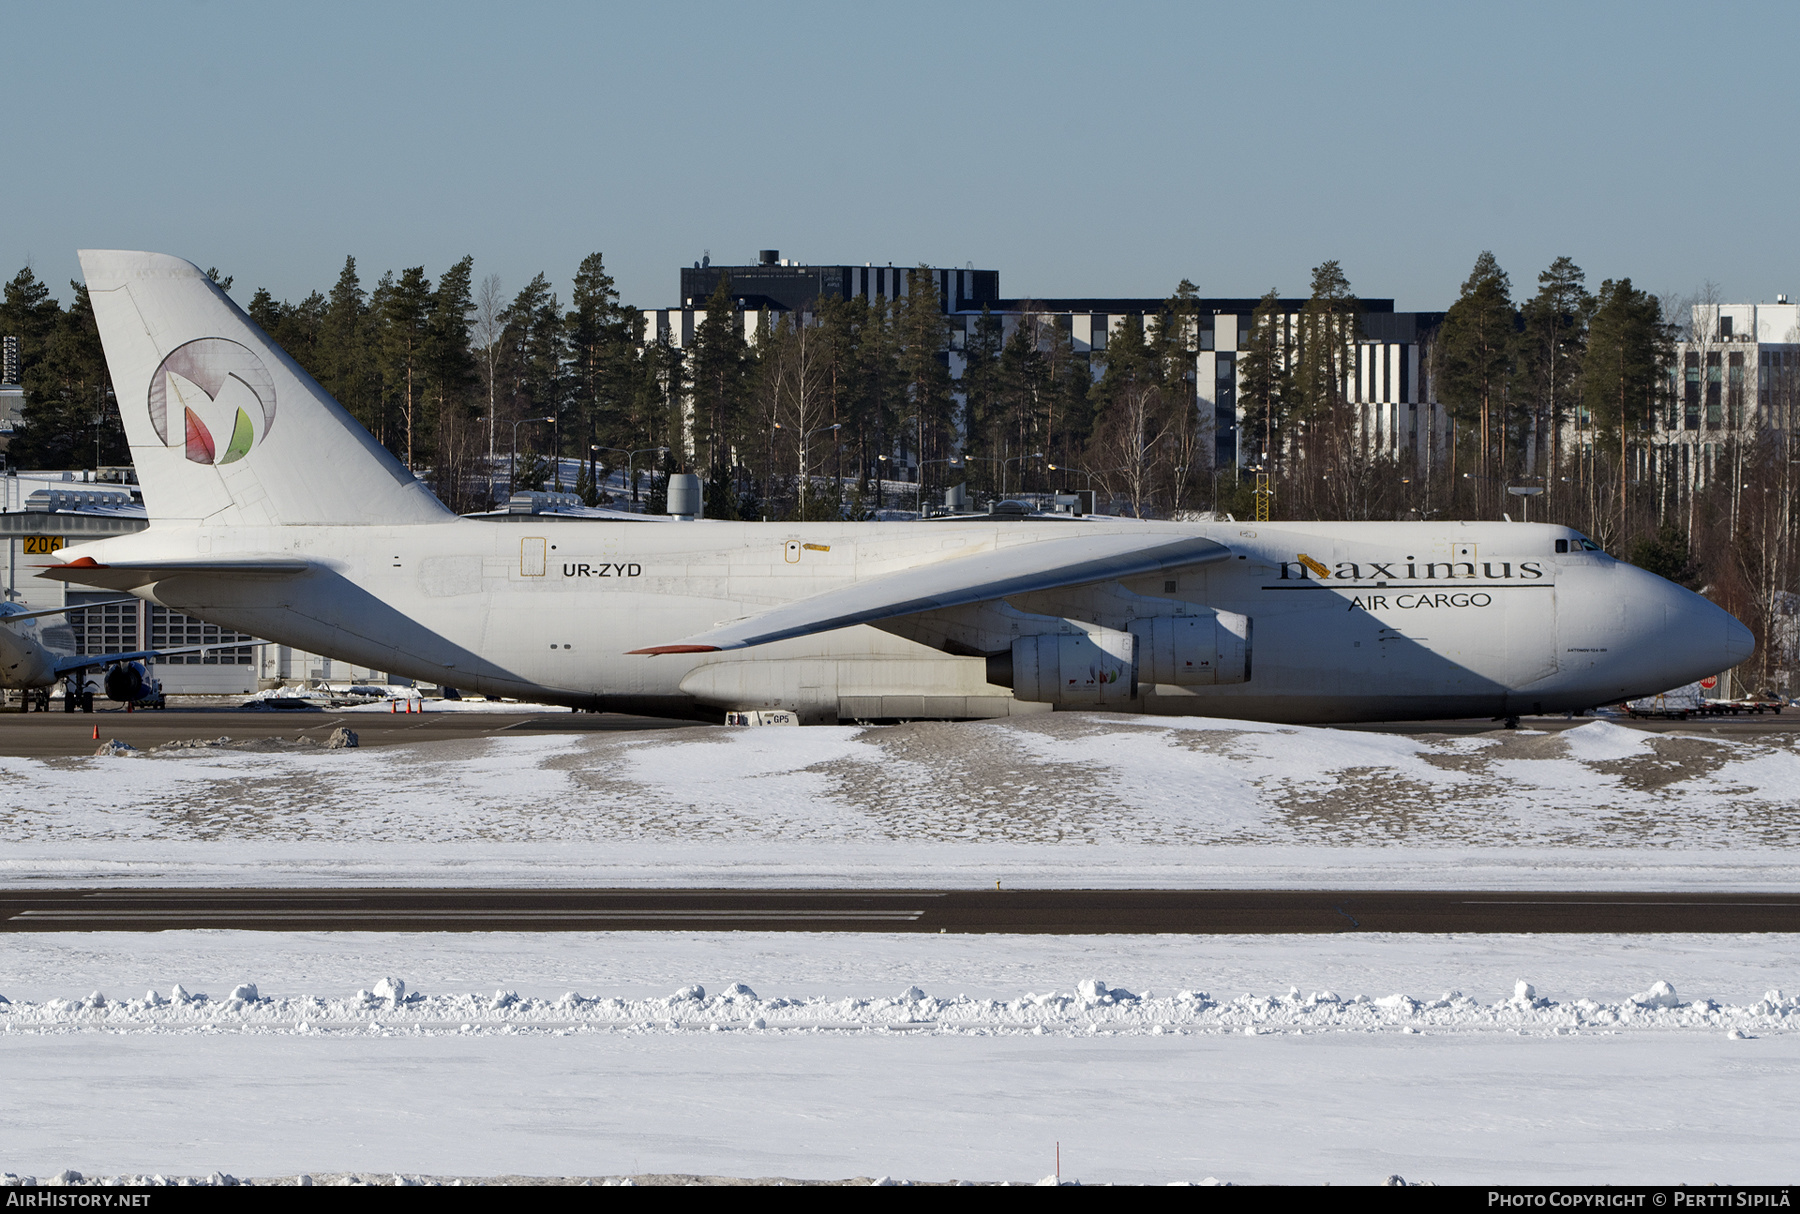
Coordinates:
[1570,391]
[782,418]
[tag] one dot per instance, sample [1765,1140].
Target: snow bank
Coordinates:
[1091,1006]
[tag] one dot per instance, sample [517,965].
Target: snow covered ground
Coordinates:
[1302,1059]
[1060,800]
[1277,1059]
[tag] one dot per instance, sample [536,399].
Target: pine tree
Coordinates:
[1025,390]
[1625,372]
[881,389]
[1175,340]
[659,408]
[591,305]
[922,335]
[405,330]
[1334,475]
[451,385]
[70,417]
[1128,450]
[344,363]
[1264,380]
[843,325]
[718,365]
[532,366]
[32,314]
[1551,339]
[1477,347]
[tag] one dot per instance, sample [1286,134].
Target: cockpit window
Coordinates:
[1580,543]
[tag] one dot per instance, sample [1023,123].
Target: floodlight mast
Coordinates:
[1525,493]
[629,456]
[805,473]
[512,475]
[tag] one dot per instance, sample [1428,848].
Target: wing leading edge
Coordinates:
[73,662]
[1047,565]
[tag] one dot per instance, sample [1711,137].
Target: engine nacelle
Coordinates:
[129,682]
[1081,669]
[1193,650]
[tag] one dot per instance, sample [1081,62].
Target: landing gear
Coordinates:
[1511,723]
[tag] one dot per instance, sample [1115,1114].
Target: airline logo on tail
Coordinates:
[213,389]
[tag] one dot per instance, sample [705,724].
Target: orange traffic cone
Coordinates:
[96,731]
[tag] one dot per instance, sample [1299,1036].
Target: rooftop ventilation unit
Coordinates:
[535,501]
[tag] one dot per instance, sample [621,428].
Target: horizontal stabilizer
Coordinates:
[19,617]
[132,575]
[976,578]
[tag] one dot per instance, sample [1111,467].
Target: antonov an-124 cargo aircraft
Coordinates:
[275,514]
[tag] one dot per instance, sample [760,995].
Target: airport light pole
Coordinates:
[806,438]
[1015,459]
[1120,468]
[1525,493]
[512,476]
[919,454]
[951,460]
[768,507]
[983,459]
[629,456]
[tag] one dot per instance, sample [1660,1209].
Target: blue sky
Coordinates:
[1079,149]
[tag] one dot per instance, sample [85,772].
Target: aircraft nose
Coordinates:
[1702,638]
[1740,642]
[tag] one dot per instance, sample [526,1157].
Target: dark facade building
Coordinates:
[1388,382]
[786,286]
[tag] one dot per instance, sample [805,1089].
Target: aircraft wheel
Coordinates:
[87,701]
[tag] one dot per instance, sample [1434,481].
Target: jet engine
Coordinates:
[1193,650]
[131,683]
[1095,669]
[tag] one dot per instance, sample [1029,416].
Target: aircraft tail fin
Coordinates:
[224,427]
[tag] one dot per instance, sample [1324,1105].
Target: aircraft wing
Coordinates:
[21,616]
[133,574]
[957,582]
[82,661]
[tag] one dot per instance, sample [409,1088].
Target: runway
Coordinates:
[53,734]
[1031,911]
[40,735]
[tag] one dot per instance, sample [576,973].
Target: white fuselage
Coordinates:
[1408,620]
[25,662]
